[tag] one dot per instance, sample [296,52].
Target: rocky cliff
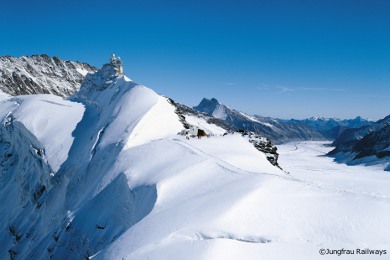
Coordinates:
[41,74]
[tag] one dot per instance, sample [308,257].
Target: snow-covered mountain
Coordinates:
[78,173]
[366,145]
[331,128]
[277,130]
[41,74]
[116,171]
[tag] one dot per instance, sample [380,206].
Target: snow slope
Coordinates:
[225,208]
[49,118]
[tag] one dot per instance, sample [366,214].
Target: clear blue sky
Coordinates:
[275,58]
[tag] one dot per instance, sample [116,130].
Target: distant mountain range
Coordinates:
[366,145]
[331,128]
[276,130]
[280,130]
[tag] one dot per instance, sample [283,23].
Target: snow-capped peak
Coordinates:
[132,113]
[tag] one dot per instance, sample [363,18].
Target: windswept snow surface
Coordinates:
[213,205]
[51,119]
[202,124]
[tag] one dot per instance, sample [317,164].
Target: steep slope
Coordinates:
[36,136]
[278,131]
[41,75]
[367,145]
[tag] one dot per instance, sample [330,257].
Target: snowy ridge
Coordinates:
[127,110]
[112,140]
[41,74]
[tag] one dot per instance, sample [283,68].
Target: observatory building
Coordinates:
[116,62]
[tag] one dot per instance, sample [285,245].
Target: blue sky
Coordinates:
[280,58]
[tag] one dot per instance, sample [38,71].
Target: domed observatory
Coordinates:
[116,62]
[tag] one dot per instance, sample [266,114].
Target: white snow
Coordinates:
[129,187]
[220,112]
[254,119]
[313,166]
[82,71]
[208,207]
[202,124]
[158,122]
[51,119]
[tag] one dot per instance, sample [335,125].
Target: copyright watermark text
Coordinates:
[357,251]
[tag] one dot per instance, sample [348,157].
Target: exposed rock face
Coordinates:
[278,131]
[41,74]
[366,145]
[183,110]
[264,145]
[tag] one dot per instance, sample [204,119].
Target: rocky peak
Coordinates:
[95,83]
[41,74]
[207,105]
[212,107]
